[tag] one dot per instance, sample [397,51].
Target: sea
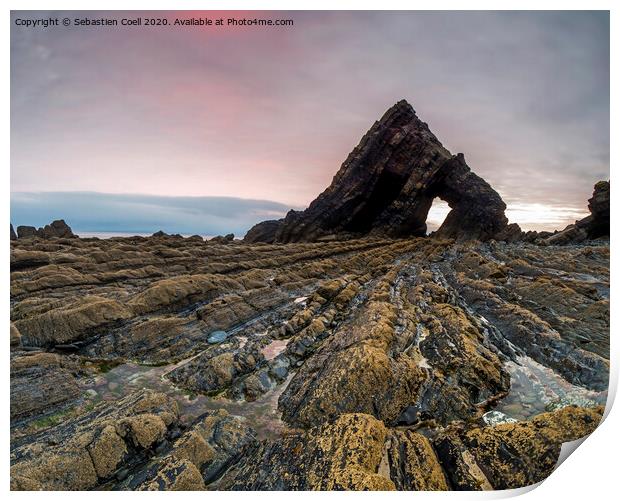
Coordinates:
[111,234]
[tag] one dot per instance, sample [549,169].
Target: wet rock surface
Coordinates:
[386,187]
[83,452]
[357,452]
[41,382]
[167,363]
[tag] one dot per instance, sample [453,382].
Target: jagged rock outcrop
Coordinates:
[599,210]
[596,225]
[56,229]
[511,455]
[197,457]
[386,187]
[263,232]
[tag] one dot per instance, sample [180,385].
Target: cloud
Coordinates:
[94,212]
[271,113]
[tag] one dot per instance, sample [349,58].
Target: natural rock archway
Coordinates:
[386,187]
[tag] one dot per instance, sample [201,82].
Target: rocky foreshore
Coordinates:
[338,348]
[361,364]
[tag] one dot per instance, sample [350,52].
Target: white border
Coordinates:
[590,474]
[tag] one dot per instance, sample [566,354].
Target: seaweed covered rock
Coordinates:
[198,457]
[71,322]
[407,355]
[358,364]
[511,455]
[342,455]
[357,452]
[85,451]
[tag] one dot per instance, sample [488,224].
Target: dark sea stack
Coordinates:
[56,229]
[594,226]
[386,187]
[599,208]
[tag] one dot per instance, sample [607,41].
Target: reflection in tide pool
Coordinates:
[536,389]
[262,414]
[273,349]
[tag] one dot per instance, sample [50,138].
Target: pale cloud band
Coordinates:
[102,212]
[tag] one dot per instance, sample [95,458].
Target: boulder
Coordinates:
[26,232]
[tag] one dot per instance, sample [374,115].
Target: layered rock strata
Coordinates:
[174,363]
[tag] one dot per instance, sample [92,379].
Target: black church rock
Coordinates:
[386,187]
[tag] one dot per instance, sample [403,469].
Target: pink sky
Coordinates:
[270,113]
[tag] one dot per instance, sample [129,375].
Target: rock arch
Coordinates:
[386,187]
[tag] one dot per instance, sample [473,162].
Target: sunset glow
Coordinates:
[266,113]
